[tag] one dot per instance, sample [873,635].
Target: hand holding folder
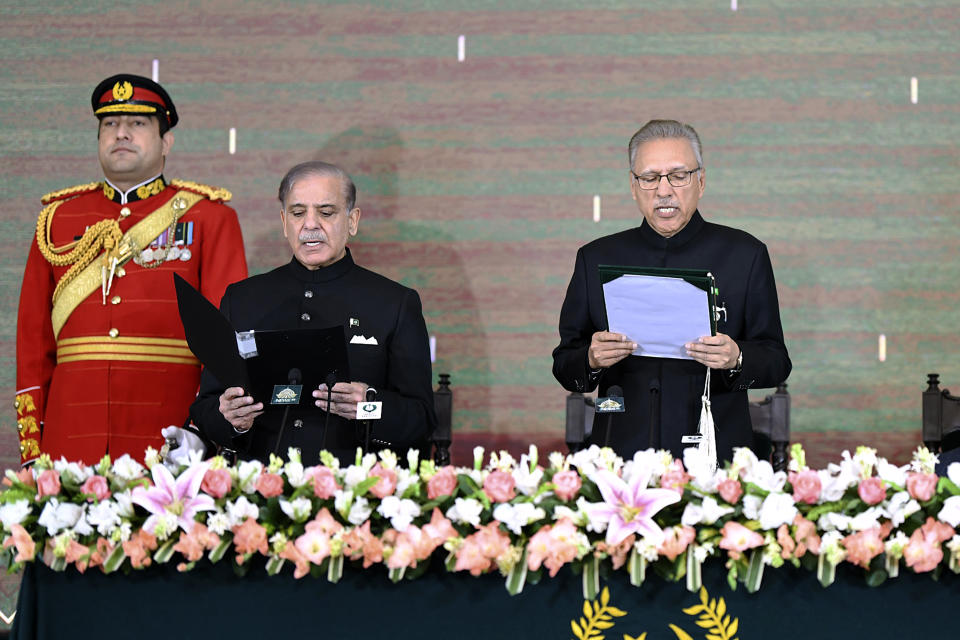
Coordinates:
[661,310]
[262,362]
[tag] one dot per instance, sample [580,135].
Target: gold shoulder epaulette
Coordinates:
[70,191]
[214,193]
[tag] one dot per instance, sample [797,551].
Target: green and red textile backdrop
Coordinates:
[477,176]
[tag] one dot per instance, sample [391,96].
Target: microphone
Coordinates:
[370,397]
[294,376]
[330,381]
[616,392]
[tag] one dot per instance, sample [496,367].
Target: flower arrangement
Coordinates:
[592,510]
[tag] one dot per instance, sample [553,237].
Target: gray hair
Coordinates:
[322,169]
[664,129]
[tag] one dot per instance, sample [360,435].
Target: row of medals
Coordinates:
[161,254]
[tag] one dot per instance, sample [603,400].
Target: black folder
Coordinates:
[318,355]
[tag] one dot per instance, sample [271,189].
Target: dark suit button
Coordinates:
[297,423]
[308,294]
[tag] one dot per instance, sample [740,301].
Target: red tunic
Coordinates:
[118,372]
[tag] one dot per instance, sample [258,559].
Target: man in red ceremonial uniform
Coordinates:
[102,364]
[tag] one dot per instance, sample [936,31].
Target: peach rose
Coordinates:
[806,486]
[216,482]
[387,484]
[96,486]
[566,484]
[270,485]
[499,485]
[324,483]
[730,490]
[922,486]
[871,490]
[48,483]
[442,483]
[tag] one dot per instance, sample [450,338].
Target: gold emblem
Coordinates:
[152,189]
[24,404]
[29,447]
[287,394]
[27,425]
[609,405]
[713,616]
[179,204]
[122,91]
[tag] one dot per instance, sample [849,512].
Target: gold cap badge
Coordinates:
[122,90]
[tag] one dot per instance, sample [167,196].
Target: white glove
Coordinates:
[186,447]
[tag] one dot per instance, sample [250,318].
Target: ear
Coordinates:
[701,185]
[167,142]
[633,186]
[354,221]
[283,222]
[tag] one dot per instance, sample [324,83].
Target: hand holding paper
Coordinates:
[607,349]
[662,311]
[717,352]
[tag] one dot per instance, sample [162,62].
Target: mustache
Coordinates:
[667,203]
[312,236]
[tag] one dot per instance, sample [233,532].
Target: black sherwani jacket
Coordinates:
[365,304]
[668,391]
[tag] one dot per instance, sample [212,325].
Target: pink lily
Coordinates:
[629,508]
[178,497]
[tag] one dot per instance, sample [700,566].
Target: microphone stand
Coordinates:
[330,381]
[654,410]
[616,391]
[371,396]
[293,377]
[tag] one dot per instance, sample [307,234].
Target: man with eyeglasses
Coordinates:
[662,395]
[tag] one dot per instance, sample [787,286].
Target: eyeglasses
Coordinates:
[650,181]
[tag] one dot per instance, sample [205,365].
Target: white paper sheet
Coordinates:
[660,314]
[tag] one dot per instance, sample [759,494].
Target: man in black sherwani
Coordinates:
[321,287]
[663,396]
